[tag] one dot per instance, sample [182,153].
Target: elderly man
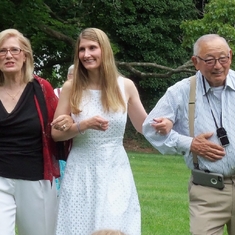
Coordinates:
[211,186]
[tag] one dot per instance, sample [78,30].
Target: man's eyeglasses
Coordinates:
[13,51]
[212,62]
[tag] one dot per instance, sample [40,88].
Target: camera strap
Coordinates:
[204,86]
[221,132]
[191,108]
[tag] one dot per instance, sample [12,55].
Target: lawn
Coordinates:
[162,183]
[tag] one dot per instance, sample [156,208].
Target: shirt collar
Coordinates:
[229,82]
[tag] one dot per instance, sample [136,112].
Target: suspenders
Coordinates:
[191,111]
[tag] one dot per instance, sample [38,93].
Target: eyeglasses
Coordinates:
[212,62]
[13,51]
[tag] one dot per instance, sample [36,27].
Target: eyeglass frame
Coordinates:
[6,50]
[206,60]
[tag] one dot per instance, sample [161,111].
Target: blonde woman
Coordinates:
[27,151]
[98,189]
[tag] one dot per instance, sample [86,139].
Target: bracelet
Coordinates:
[78,126]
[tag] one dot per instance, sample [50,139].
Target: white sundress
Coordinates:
[98,189]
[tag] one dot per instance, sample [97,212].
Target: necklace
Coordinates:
[13,96]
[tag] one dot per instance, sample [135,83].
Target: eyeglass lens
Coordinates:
[12,50]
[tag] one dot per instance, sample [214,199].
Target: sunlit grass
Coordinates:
[162,183]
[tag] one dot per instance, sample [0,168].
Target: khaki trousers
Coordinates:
[210,209]
[31,205]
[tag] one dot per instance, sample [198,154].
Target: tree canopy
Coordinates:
[151,44]
[140,30]
[218,18]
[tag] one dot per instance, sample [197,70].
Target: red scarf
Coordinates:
[51,166]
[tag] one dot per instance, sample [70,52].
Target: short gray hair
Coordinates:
[206,38]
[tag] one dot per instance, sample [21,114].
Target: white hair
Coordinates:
[70,69]
[207,38]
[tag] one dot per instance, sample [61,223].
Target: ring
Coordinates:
[159,132]
[64,126]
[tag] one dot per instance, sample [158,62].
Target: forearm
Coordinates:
[61,135]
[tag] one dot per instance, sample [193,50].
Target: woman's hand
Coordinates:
[162,125]
[96,123]
[62,122]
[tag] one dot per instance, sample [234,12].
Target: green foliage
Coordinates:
[140,30]
[34,19]
[146,31]
[218,18]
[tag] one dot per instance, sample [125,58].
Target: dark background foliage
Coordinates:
[139,30]
[152,39]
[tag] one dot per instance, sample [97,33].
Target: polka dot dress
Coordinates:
[98,190]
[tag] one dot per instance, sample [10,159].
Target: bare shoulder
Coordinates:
[128,83]
[130,89]
[67,85]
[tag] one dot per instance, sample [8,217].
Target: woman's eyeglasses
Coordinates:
[12,50]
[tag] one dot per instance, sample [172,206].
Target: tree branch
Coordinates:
[57,35]
[130,66]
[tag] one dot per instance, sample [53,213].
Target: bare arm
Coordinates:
[138,114]
[135,108]
[63,127]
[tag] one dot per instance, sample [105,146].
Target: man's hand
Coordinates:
[207,149]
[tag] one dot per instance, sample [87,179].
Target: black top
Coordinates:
[21,139]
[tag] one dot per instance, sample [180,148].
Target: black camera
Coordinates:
[222,135]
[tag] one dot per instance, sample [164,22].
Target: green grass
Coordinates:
[162,183]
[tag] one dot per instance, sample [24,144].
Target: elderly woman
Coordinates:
[27,163]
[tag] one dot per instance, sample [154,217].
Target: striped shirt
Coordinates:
[174,106]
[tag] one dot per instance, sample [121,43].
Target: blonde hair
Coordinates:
[108,232]
[28,66]
[111,97]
